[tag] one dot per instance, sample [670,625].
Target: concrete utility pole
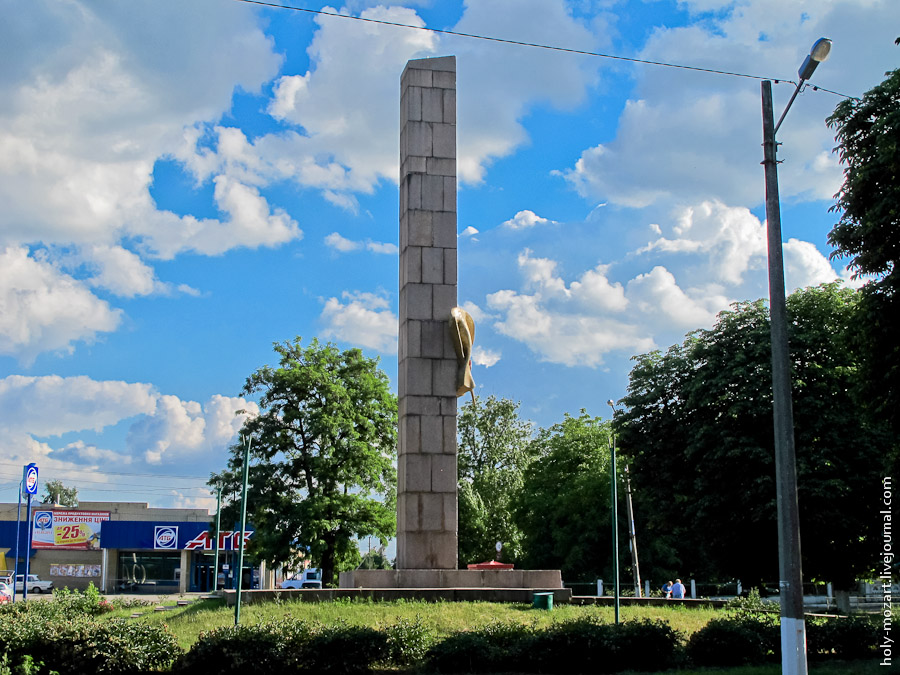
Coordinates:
[793,626]
[632,537]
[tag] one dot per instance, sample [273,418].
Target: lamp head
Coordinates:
[819,52]
[610,403]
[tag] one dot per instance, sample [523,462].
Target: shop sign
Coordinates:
[61,529]
[228,541]
[165,537]
[31,479]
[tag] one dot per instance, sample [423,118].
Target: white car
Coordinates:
[311,578]
[5,593]
[35,585]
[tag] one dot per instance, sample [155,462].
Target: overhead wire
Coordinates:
[535,45]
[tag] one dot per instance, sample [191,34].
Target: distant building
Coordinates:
[127,548]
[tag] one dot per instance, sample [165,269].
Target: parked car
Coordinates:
[5,593]
[35,585]
[310,578]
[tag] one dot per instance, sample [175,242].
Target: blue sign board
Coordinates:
[31,479]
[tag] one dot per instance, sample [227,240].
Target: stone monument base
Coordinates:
[534,579]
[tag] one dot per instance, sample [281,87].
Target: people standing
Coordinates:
[678,590]
[667,589]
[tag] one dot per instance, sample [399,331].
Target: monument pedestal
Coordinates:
[536,579]
[457,585]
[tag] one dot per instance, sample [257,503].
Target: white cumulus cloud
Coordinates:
[44,309]
[363,319]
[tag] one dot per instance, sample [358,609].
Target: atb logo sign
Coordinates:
[165,536]
[43,520]
[31,479]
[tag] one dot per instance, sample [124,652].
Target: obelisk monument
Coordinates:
[427,362]
[431,366]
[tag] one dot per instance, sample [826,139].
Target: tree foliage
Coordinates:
[57,493]
[698,431]
[868,232]
[323,455]
[494,449]
[564,506]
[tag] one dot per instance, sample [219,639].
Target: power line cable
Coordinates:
[534,45]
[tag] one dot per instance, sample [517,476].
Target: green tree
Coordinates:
[323,457]
[868,233]
[57,493]
[698,432]
[494,451]
[375,559]
[564,507]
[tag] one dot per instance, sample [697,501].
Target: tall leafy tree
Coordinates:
[323,454]
[868,233]
[55,492]
[564,507]
[494,450]
[698,431]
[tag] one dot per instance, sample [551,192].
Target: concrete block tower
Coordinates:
[427,363]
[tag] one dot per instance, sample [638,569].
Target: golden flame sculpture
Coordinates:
[462,332]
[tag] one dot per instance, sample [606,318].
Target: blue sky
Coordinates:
[184,184]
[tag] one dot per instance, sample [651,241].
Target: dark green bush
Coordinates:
[574,646]
[735,642]
[78,644]
[343,649]
[242,649]
[647,645]
[589,646]
[408,642]
[853,637]
[577,646]
[493,648]
[286,646]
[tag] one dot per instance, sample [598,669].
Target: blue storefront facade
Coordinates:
[154,557]
[124,547]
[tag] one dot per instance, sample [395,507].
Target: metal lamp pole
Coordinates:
[240,565]
[215,583]
[18,536]
[793,627]
[615,516]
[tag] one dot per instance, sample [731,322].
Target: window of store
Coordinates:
[145,572]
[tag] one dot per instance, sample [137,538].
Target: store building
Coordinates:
[127,548]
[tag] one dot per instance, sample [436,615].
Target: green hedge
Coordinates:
[80,645]
[286,646]
[63,635]
[577,646]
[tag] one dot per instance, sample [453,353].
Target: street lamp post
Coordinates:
[615,520]
[793,627]
[240,564]
[215,582]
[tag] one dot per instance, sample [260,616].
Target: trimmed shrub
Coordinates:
[589,646]
[735,642]
[343,649]
[241,649]
[853,637]
[493,648]
[647,645]
[286,646]
[78,645]
[408,642]
[575,646]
